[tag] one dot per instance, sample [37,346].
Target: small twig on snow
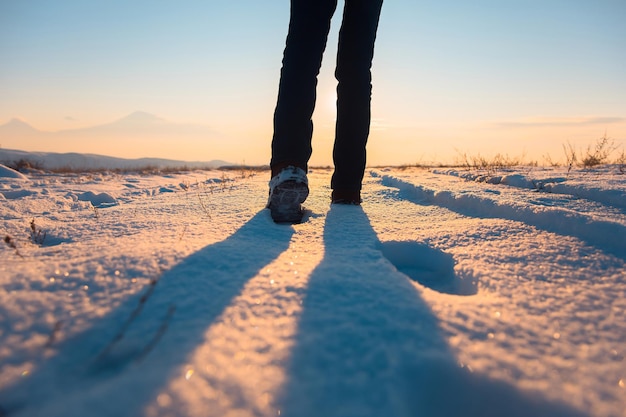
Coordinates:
[158,335]
[11,243]
[120,334]
[53,334]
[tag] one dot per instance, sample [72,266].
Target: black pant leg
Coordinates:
[293,128]
[354,90]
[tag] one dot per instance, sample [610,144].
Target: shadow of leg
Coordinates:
[368,345]
[200,288]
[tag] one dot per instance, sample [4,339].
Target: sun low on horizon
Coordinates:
[449,78]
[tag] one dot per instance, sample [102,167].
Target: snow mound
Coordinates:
[603,185]
[6,172]
[98,200]
[517,180]
[13,195]
[565,216]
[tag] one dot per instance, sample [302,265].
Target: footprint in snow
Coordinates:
[428,266]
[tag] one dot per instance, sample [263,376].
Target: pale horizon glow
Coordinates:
[450,77]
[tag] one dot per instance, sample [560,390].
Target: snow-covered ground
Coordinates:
[447,293]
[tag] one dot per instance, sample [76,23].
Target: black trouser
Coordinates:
[293,128]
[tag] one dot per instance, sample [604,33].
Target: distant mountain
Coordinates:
[141,117]
[17,127]
[77,161]
[139,133]
[134,122]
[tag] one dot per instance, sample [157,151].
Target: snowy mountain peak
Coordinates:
[16,124]
[141,117]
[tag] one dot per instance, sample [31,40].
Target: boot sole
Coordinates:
[286,202]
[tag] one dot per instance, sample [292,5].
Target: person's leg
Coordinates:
[354,91]
[293,128]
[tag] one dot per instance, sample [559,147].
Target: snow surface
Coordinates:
[447,293]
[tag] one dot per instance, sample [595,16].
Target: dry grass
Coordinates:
[493,164]
[594,155]
[598,153]
[37,235]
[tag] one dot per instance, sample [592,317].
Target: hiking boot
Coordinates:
[352,198]
[288,190]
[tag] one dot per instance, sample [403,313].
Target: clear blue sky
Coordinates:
[479,77]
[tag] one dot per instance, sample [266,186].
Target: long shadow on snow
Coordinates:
[200,287]
[367,345]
